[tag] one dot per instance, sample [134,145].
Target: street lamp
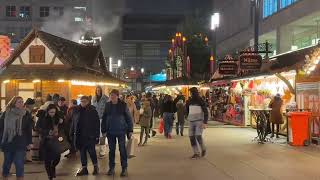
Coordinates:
[110,64]
[215,23]
[132,68]
[142,70]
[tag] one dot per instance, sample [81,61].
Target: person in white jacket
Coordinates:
[99,101]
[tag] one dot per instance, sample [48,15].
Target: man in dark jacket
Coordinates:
[85,129]
[197,114]
[116,124]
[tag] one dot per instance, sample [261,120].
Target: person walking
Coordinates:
[99,101]
[29,106]
[67,127]
[152,105]
[85,132]
[16,136]
[133,109]
[276,116]
[197,115]
[180,116]
[48,127]
[168,110]
[145,122]
[116,124]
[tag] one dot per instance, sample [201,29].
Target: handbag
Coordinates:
[131,150]
[63,143]
[161,126]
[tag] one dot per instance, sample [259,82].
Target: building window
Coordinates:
[44,11]
[11,11]
[285,3]
[25,12]
[37,54]
[58,11]
[269,7]
[11,31]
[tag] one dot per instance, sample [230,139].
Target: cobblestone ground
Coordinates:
[231,155]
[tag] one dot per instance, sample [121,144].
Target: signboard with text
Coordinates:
[228,66]
[250,62]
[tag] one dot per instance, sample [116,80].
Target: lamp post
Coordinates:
[256,4]
[215,23]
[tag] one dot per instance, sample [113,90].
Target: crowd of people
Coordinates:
[94,121]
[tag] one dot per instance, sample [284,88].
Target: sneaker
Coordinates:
[110,172]
[95,170]
[203,153]
[124,173]
[195,156]
[82,172]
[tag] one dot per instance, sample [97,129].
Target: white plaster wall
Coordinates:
[25,55]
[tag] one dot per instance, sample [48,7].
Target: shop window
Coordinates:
[25,12]
[11,11]
[44,11]
[37,54]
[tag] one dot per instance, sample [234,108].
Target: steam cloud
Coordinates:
[66,27]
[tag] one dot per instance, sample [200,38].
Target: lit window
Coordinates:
[44,11]
[11,11]
[78,19]
[269,7]
[285,3]
[25,12]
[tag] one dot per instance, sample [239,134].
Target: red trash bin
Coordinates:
[299,128]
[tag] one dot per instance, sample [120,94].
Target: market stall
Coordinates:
[46,64]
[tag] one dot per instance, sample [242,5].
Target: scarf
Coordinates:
[12,124]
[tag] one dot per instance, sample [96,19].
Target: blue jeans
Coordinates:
[168,119]
[16,157]
[112,141]
[91,149]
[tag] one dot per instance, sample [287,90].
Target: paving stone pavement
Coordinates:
[232,155]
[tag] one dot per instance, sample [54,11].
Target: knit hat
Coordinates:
[29,101]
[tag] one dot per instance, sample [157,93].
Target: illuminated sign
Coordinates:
[5,47]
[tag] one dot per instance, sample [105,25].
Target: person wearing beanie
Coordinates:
[197,115]
[85,133]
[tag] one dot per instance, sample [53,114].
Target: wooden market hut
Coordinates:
[46,64]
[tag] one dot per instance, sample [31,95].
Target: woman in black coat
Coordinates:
[48,127]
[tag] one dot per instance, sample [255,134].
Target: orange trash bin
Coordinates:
[299,128]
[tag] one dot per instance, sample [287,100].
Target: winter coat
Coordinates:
[180,111]
[116,119]
[276,116]
[49,144]
[18,142]
[92,126]
[147,114]
[134,112]
[168,107]
[100,105]
[196,109]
